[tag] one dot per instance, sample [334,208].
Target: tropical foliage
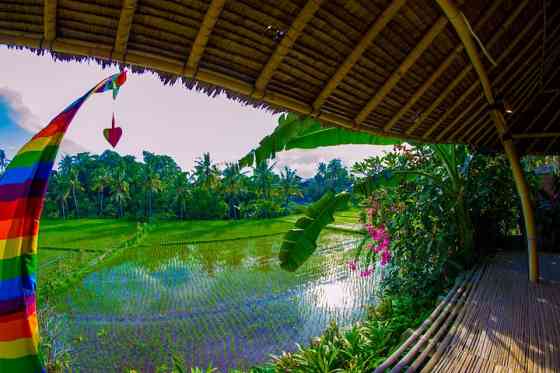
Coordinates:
[110,185]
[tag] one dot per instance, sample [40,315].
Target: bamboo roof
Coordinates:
[389,67]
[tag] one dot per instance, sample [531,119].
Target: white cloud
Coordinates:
[22,116]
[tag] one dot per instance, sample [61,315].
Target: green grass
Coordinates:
[197,230]
[97,234]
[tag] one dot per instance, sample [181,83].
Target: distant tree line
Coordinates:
[111,185]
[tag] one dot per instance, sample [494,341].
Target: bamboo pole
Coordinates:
[473,86]
[288,40]
[526,84]
[537,135]
[49,21]
[426,41]
[123,29]
[379,24]
[458,21]
[495,38]
[208,23]
[550,123]
[512,77]
[439,71]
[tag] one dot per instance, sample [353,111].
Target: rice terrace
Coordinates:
[285,186]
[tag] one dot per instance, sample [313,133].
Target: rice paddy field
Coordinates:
[209,292]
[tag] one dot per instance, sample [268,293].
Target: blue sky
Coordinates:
[162,119]
[11,134]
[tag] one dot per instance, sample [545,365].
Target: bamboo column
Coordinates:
[458,21]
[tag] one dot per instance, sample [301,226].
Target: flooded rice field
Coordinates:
[226,302]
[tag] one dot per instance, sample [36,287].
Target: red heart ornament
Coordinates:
[113,134]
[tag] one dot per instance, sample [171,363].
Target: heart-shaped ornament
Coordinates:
[113,134]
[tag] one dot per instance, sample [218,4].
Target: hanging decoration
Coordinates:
[22,191]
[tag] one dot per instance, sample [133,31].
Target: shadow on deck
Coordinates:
[507,324]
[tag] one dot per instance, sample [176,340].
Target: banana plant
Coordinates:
[294,132]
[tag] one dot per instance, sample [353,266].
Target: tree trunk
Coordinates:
[75,202]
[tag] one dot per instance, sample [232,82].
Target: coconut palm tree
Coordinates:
[101,180]
[152,184]
[205,172]
[75,186]
[60,187]
[264,178]
[181,190]
[120,191]
[290,184]
[232,186]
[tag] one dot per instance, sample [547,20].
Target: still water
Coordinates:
[228,303]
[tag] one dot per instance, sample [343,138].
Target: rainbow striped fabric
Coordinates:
[22,191]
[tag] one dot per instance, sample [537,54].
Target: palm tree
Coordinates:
[153,184]
[263,177]
[206,173]
[181,190]
[120,191]
[232,184]
[289,183]
[75,186]
[101,180]
[60,187]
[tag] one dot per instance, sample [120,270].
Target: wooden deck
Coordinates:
[507,323]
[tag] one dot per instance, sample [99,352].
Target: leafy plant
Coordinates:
[300,242]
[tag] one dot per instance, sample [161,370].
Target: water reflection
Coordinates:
[226,302]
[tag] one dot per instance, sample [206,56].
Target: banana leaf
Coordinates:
[301,241]
[294,132]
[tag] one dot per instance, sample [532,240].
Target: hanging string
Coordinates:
[480,44]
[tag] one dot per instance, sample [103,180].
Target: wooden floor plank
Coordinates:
[508,324]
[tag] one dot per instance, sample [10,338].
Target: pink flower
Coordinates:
[385,257]
[378,234]
[352,265]
[366,273]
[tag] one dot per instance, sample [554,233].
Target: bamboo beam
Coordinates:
[199,45]
[426,41]
[495,38]
[527,91]
[537,135]
[439,71]
[358,51]
[123,29]
[295,30]
[511,77]
[458,22]
[520,80]
[49,20]
[539,115]
[473,86]
[532,57]
[550,123]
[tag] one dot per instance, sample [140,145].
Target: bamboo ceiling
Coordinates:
[395,68]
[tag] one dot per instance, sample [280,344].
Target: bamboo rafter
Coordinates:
[358,51]
[477,102]
[554,119]
[288,40]
[526,84]
[466,71]
[541,112]
[49,20]
[439,71]
[208,23]
[169,66]
[123,29]
[537,135]
[528,89]
[426,41]
[533,56]
[474,85]
[511,78]
[503,74]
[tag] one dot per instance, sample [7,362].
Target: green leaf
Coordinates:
[301,241]
[294,132]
